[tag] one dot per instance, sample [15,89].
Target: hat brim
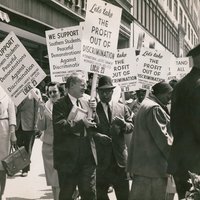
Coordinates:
[106,87]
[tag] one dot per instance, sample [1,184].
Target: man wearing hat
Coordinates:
[185,125]
[114,121]
[150,146]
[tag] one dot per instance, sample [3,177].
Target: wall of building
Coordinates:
[29,19]
[172,25]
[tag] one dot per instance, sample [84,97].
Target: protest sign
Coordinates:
[100,37]
[64,47]
[153,67]
[19,72]
[124,71]
[182,67]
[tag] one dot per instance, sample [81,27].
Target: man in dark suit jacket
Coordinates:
[114,121]
[74,151]
[185,124]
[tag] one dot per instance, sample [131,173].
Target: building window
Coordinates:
[147,16]
[180,16]
[185,24]
[175,9]
[143,7]
[192,36]
[188,31]
[169,3]
[156,22]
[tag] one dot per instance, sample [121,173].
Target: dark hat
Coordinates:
[195,51]
[105,82]
[161,88]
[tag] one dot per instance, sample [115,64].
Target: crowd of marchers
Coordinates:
[150,139]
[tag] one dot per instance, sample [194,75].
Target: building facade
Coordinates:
[171,25]
[29,19]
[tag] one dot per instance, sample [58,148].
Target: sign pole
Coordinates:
[93,93]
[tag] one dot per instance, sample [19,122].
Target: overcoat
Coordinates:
[185,124]
[149,148]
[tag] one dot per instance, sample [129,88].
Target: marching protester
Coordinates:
[7,133]
[73,147]
[150,146]
[54,91]
[114,121]
[27,113]
[140,97]
[185,125]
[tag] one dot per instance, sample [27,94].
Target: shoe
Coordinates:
[24,174]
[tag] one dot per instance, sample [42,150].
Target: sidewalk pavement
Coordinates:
[33,187]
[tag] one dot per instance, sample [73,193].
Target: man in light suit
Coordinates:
[150,146]
[114,121]
[74,149]
[27,113]
[185,125]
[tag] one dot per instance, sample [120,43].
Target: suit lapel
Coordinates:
[68,104]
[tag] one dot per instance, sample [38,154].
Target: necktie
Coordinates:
[109,112]
[77,103]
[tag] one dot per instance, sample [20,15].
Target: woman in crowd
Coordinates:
[7,132]
[54,91]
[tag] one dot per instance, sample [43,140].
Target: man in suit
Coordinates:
[27,113]
[150,146]
[114,121]
[185,125]
[73,147]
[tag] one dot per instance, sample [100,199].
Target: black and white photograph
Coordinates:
[99,99]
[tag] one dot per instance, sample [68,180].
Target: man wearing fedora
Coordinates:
[114,121]
[185,125]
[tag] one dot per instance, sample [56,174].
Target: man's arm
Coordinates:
[157,125]
[61,123]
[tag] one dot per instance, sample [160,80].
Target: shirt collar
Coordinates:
[105,104]
[152,96]
[73,99]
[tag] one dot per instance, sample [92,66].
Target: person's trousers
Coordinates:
[26,139]
[2,182]
[146,188]
[182,185]
[85,178]
[115,176]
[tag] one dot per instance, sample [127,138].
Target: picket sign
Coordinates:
[93,93]
[99,40]
[19,72]
[64,48]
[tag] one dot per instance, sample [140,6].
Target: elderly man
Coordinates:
[114,121]
[150,146]
[74,149]
[185,124]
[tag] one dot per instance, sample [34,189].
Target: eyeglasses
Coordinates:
[53,91]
